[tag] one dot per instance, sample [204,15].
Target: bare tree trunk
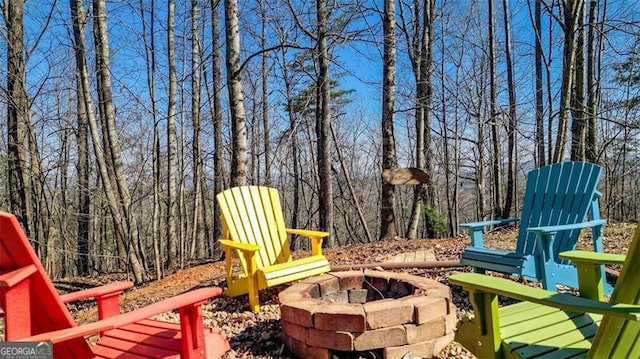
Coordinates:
[578,106]
[218,160]
[420,53]
[571,11]
[426,59]
[78,16]
[496,156]
[549,92]
[122,200]
[352,191]
[415,54]
[172,161]
[512,125]
[236,95]
[265,99]
[150,60]
[594,51]
[67,265]
[198,236]
[388,200]
[17,115]
[254,138]
[540,158]
[323,121]
[292,138]
[26,192]
[451,160]
[41,216]
[481,176]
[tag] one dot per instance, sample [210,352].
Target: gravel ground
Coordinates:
[257,335]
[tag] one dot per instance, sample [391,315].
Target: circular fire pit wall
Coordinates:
[395,313]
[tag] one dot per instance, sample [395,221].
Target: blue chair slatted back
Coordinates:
[561,193]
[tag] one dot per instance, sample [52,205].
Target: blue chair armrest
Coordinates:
[567,227]
[478,225]
[475,229]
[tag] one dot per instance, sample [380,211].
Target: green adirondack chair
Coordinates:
[558,200]
[548,324]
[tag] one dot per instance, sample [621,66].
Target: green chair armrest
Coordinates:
[588,266]
[596,258]
[474,282]
[239,246]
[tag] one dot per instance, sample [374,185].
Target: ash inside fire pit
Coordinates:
[344,313]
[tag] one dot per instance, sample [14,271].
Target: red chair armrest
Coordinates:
[14,277]
[192,298]
[107,297]
[109,289]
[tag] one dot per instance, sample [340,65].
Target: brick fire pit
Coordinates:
[389,314]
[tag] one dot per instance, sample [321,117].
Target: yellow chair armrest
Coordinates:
[239,246]
[315,236]
[308,233]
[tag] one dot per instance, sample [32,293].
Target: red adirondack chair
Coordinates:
[33,311]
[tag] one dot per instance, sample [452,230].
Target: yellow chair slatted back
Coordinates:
[253,215]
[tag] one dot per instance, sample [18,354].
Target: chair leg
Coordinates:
[252,287]
[193,343]
[254,297]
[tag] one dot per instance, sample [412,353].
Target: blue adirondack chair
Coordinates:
[558,200]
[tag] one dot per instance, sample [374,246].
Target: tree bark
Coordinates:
[578,106]
[420,54]
[27,199]
[150,61]
[265,98]
[218,160]
[512,125]
[17,113]
[78,16]
[172,147]
[121,201]
[594,51]
[388,199]
[496,155]
[199,208]
[541,154]
[571,10]
[236,96]
[352,190]
[323,122]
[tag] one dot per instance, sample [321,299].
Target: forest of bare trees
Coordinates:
[124,119]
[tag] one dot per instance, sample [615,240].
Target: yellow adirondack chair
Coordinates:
[255,231]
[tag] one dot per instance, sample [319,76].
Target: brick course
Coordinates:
[344,317]
[387,313]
